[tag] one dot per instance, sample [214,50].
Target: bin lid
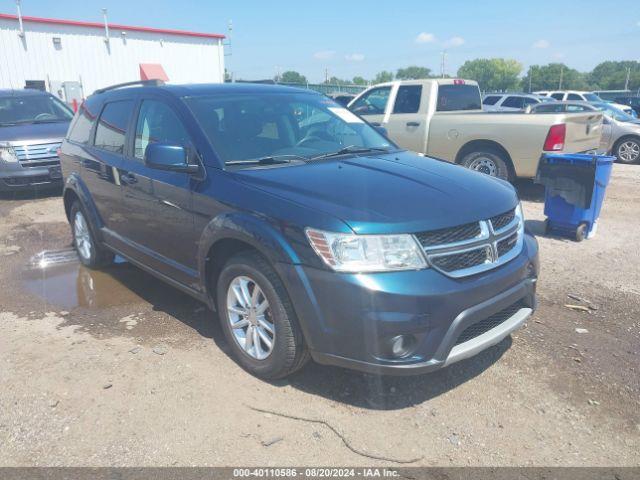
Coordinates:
[578,158]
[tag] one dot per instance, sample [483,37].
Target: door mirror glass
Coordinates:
[173,158]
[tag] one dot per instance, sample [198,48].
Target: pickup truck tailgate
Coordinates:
[583,132]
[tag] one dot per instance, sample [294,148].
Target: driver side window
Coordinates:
[157,122]
[374,102]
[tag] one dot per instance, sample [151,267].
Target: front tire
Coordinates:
[489,162]
[628,150]
[258,319]
[90,252]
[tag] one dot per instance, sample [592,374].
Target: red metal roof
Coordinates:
[115,26]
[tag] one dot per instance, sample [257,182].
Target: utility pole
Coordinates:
[561,74]
[326,75]
[530,75]
[626,83]
[443,63]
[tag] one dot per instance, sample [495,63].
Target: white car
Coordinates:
[511,102]
[576,95]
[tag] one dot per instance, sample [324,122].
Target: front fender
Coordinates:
[264,235]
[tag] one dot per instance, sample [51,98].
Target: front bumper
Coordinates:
[349,319]
[15,177]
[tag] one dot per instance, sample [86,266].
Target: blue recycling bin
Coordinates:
[575,186]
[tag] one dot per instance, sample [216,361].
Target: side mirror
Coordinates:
[362,109]
[172,158]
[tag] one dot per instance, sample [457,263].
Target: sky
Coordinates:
[349,38]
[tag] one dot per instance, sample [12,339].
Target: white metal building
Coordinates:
[71,58]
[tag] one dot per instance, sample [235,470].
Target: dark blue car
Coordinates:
[32,126]
[309,232]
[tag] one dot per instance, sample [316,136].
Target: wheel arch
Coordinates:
[233,233]
[76,190]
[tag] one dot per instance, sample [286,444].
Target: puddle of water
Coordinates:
[69,285]
[57,277]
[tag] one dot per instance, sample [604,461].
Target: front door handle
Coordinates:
[128,178]
[413,124]
[375,124]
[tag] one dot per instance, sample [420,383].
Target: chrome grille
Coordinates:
[476,247]
[39,155]
[449,235]
[500,221]
[462,260]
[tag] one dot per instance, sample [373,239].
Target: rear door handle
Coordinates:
[128,178]
[413,124]
[375,124]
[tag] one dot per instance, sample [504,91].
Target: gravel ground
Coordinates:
[114,368]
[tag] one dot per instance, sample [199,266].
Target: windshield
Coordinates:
[17,110]
[615,113]
[246,127]
[592,97]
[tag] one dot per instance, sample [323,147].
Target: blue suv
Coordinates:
[307,230]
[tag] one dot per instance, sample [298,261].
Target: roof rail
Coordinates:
[144,83]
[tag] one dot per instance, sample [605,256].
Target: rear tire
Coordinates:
[490,162]
[91,253]
[627,150]
[245,320]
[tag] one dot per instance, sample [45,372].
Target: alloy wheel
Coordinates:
[82,236]
[250,319]
[629,151]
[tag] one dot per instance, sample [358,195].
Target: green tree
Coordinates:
[359,81]
[383,76]
[492,74]
[547,77]
[291,76]
[413,73]
[613,75]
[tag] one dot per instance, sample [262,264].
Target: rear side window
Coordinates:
[112,126]
[513,102]
[408,99]
[158,123]
[557,96]
[574,96]
[452,98]
[492,100]
[82,124]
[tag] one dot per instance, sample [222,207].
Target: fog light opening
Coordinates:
[402,345]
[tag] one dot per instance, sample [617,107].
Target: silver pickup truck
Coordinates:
[443,118]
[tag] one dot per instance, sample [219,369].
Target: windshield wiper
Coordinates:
[351,149]
[269,160]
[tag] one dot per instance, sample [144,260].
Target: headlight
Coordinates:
[367,253]
[7,153]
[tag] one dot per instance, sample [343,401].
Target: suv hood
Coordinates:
[392,193]
[27,132]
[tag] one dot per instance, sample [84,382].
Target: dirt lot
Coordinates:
[115,368]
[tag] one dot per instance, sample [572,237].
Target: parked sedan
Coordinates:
[561,107]
[511,102]
[620,134]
